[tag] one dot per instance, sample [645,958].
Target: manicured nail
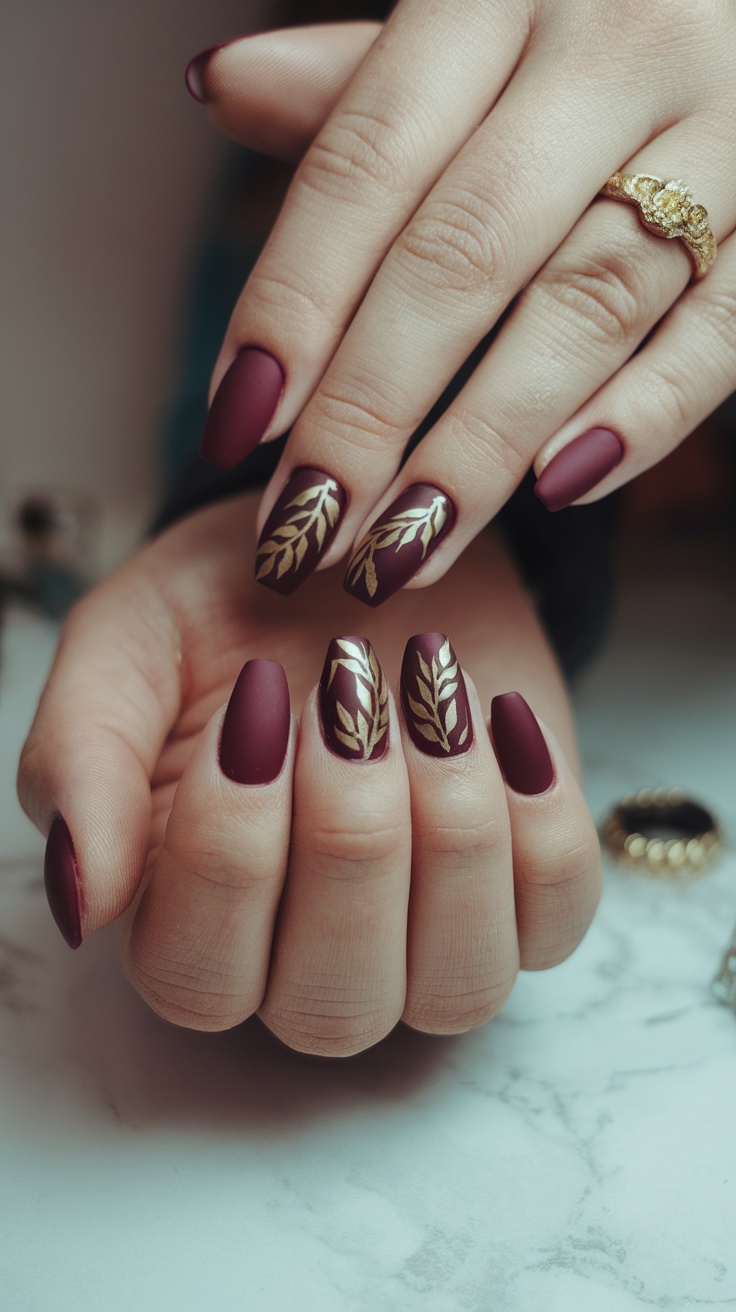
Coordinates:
[243,407]
[434,697]
[399,542]
[61,877]
[353,701]
[578,467]
[195,69]
[520,747]
[255,732]
[299,529]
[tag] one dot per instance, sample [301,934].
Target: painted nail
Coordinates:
[434,697]
[195,69]
[255,732]
[399,542]
[353,701]
[520,747]
[299,529]
[578,467]
[243,407]
[61,877]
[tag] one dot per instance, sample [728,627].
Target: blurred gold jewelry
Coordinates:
[668,210]
[691,852]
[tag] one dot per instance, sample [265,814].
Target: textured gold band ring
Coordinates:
[668,210]
[697,843]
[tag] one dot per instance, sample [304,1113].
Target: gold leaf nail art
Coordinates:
[288,544]
[435,716]
[402,528]
[363,728]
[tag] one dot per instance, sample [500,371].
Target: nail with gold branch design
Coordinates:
[399,542]
[299,529]
[434,697]
[353,701]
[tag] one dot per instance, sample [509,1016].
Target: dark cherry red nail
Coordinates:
[399,542]
[61,877]
[434,698]
[520,747]
[353,701]
[299,529]
[243,407]
[578,467]
[255,732]
[195,69]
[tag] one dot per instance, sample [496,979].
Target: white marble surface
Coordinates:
[578,1153]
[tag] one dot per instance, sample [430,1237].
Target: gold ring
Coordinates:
[696,844]
[668,210]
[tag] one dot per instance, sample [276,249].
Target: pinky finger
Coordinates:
[556,854]
[681,375]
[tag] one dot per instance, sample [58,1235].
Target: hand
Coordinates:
[457,157]
[413,885]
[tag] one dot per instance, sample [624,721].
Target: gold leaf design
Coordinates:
[402,528]
[288,544]
[435,715]
[363,732]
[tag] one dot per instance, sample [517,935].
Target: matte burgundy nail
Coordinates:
[578,467]
[434,697]
[520,747]
[194,72]
[61,877]
[255,732]
[299,529]
[243,407]
[401,539]
[353,700]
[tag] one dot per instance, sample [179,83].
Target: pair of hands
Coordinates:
[450,163]
[257,864]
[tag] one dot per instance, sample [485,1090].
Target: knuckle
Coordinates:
[224,874]
[476,844]
[671,390]
[353,409]
[487,450]
[356,152]
[455,245]
[459,1010]
[365,848]
[287,293]
[174,992]
[603,291]
[717,314]
[326,1031]
[556,907]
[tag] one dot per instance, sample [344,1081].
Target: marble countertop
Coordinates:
[577,1153]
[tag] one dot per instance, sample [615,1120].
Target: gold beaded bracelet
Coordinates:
[697,843]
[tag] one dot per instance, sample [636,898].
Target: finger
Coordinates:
[414,100]
[578,321]
[557,864]
[682,374]
[198,947]
[273,92]
[84,775]
[337,982]
[462,946]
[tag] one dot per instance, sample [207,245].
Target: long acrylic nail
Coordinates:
[243,407]
[579,467]
[434,697]
[399,542]
[255,732]
[520,747]
[61,877]
[353,701]
[299,529]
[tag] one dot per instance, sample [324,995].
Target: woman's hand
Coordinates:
[456,157]
[368,864]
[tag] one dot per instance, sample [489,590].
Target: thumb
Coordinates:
[272,92]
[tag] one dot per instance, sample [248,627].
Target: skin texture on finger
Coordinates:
[338,976]
[370,165]
[198,946]
[110,701]
[273,92]
[557,861]
[462,950]
[682,374]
